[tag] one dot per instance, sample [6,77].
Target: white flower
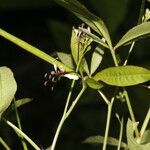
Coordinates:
[71,76]
[59,71]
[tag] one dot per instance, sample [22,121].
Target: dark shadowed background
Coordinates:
[46,25]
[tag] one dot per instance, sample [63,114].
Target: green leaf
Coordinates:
[75,46]
[35,51]
[8,88]
[93,84]
[79,45]
[94,37]
[132,144]
[123,75]
[84,65]
[20,102]
[96,59]
[96,140]
[66,59]
[135,33]
[86,16]
[78,50]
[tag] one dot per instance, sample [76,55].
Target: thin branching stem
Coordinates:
[129,53]
[109,105]
[104,97]
[108,123]
[19,125]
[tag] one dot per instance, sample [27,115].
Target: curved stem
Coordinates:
[20,127]
[21,133]
[108,123]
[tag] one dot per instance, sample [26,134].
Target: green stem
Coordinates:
[104,97]
[144,126]
[63,117]
[74,103]
[114,56]
[71,89]
[121,133]
[131,113]
[129,53]
[19,125]
[108,123]
[57,132]
[4,144]
[21,133]
[65,111]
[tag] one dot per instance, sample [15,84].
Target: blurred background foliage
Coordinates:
[48,26]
